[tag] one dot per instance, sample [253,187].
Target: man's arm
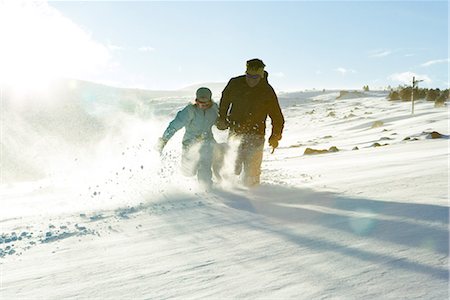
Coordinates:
[224,106]
[277,118]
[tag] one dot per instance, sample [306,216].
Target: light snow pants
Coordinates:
[249,157]
[196,159]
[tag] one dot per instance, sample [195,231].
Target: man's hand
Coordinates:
[222,124]
[273,141]
[160,145]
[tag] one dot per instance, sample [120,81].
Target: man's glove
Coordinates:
[222,124]
[160,145]
[273,141]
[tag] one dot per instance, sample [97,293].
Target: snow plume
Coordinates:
[96,141]
[229,159]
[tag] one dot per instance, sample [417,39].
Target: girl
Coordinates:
[198,140]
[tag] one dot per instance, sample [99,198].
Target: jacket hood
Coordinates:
[266,76]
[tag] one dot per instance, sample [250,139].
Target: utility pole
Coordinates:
[414,82]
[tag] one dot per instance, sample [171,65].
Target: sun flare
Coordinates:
[39,45]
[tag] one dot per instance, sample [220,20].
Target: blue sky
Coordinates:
[305,44]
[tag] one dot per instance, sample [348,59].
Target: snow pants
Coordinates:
[249,157]
[196,159]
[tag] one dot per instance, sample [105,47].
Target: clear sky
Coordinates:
[168,45]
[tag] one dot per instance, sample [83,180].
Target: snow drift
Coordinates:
[89,210]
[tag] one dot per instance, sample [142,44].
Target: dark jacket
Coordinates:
[246,108]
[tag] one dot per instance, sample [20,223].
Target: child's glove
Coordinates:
[222,124]
[160,145]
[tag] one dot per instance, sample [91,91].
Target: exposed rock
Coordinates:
[350,116]
[309,151]
[355,148]
[333,149]
[436,135]
[377,124]
[378,145]
[296,146]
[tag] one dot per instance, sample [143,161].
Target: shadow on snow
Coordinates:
[407,224]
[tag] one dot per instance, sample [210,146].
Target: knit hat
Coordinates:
[203,94]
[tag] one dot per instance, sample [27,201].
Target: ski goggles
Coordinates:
[250,76]
[254,73]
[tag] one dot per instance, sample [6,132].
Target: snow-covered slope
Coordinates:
[108,218]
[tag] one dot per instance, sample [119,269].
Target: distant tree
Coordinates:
[432,94]
[405,94]
[393,95]
[422,94]
[366,88]
[440,101]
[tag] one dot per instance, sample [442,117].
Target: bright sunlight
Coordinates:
[38,45]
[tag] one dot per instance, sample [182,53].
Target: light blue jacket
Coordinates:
[198,124]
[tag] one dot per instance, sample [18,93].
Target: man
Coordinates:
[246,102]
[198,140]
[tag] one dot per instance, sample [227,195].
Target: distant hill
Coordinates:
[137,91]
[215,87]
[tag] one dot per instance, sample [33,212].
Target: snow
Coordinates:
[89,210]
